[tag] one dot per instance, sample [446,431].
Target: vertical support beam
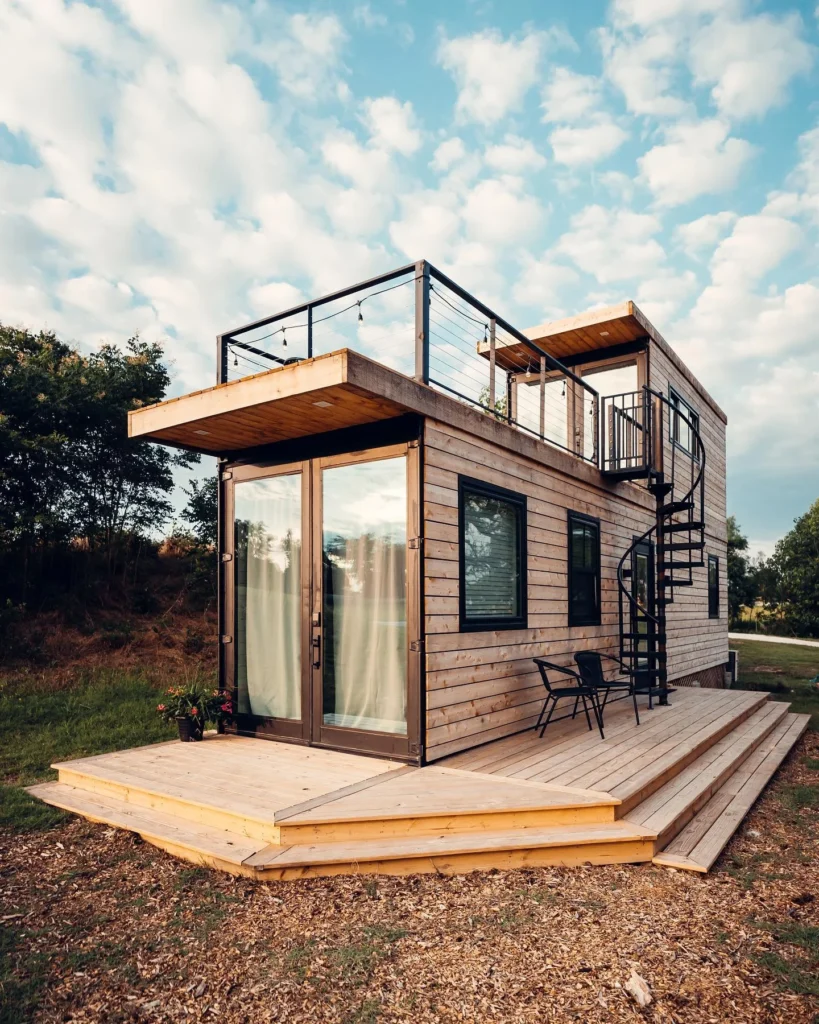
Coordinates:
[511,397]
[543,396]
[221,359]
[492,327]
[661,659]
[595,418]
[309,332]
[422,321]
[220,572]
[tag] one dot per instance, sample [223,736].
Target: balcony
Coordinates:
[372,352]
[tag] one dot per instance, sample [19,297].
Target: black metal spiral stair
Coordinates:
[637,445]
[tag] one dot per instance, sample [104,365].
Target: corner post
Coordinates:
[422,321]
[221,359]
[309,332]
[492,328]
[543,397]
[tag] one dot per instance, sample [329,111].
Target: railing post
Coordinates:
[422,321]
[309,332]
[221,359]
[542,397]
[492,327]
[596,446]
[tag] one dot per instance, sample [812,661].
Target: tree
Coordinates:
[741,582]
[68,469]
[796,561]
[200,510]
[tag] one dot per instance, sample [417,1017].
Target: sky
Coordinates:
[180,168]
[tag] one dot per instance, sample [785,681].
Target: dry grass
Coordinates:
[101,927]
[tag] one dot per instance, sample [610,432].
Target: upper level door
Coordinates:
[323,600]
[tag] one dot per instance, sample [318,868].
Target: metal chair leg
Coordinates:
[574,711]
[598,714]
[540,716]
[548,717]
[634,700]
[586,709]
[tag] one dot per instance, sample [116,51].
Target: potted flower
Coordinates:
[191,707]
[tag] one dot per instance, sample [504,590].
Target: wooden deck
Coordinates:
[673,789]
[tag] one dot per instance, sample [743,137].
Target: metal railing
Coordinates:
[626,427]
[419,322]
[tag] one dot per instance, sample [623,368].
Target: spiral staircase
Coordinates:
[641,432]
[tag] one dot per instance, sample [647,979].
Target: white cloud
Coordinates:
[367,166]
[613,245]
[805,179]
[589,144]
[494,74]
[697,158]
[392,124]
[449,153]
[660,297]
[366,16]
[544,284]
[756,246]
[568,96]
[274,297]
[647,13]
[306,53]
[641,67]
[499,212]
[704,232]
[514,155]
[750,62]
[427,228]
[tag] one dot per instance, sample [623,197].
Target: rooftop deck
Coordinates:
[681,781]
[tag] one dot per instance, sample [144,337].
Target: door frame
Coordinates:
[290,730]
[309,730]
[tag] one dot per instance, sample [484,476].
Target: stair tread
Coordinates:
[436,792]
[694,524]
[361,851]
[701,842]
[151,824]
[698,781]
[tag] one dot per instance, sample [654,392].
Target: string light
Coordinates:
[528,371]
[284,337]
[360,314]
[235,358]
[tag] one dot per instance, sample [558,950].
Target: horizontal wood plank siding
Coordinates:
[481,686]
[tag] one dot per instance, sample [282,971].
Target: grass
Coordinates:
[22,976]
[794,962]
[103,710]
[783,670]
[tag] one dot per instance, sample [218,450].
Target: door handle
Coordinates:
[316,650]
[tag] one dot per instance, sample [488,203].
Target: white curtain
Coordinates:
[268,593]
[365,629]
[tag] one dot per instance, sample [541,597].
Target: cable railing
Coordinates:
[419,322]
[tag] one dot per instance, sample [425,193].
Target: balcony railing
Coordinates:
[419,322]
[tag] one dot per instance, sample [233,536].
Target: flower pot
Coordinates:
[190,729]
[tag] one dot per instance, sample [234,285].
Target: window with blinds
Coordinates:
[584,570]
[492,534]
[713,587]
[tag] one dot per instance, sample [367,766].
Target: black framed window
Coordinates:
[681,433]
[584,570]
[492,541]
[713,587]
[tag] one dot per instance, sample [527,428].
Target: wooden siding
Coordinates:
[482,686]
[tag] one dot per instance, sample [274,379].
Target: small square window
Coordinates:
[584,570]
[713,587]
[492,539]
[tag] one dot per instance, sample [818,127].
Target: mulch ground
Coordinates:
[102,927]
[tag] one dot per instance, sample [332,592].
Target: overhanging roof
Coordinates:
[317,395]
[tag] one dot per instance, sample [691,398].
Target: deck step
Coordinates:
[440,800]
[602,843]
[194,841]
[614,842]
[670,808]
[701,842]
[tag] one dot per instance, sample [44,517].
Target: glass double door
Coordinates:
[321,600]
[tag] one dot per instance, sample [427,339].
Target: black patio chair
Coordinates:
[580,691]
[590,667]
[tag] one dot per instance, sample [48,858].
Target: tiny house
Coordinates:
[416,498]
